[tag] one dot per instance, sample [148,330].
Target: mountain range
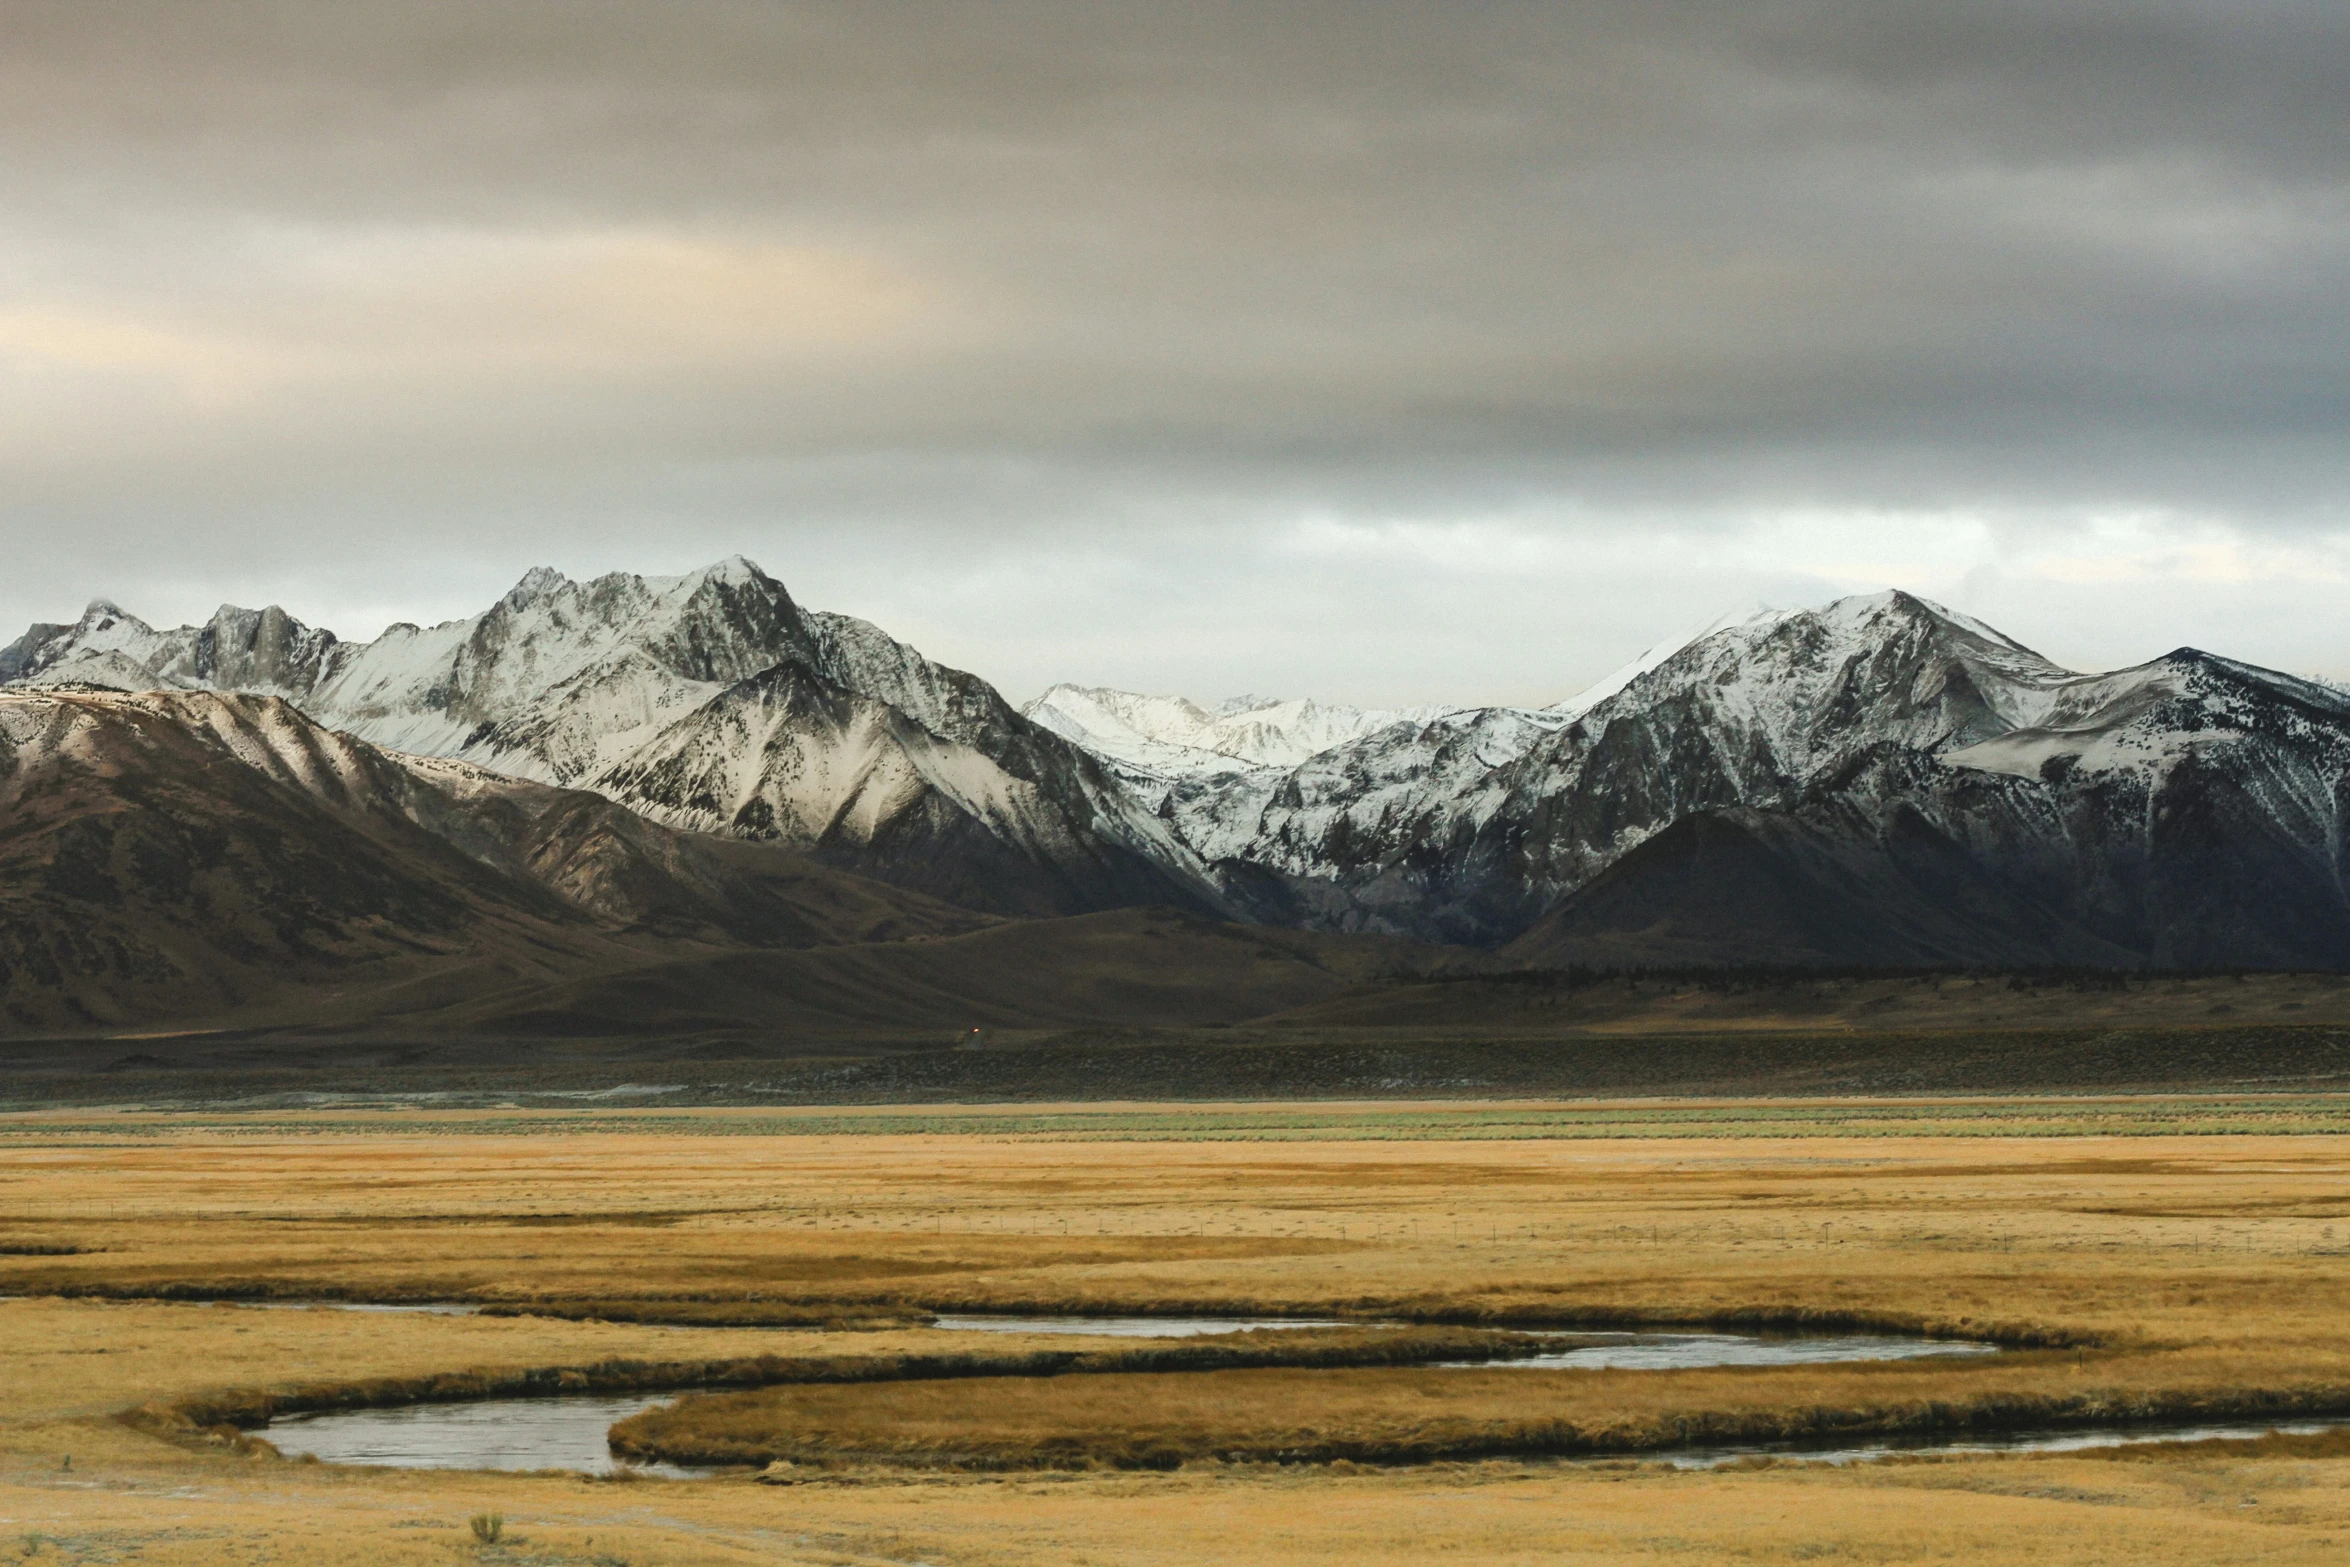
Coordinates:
[587,775]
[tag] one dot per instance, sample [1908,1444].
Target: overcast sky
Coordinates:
[1383,352]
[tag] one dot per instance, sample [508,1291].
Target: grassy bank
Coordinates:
[1420,1415]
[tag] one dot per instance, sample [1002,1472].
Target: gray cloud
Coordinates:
[1373,348]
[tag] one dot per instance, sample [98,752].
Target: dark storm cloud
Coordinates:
[511,282]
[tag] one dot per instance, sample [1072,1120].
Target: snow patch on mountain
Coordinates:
[1172,737]
[40,723]
[2148,718]
[1600,690]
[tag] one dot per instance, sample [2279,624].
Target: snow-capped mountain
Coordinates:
[2066,788]
[709,701]
[1400,767]
[1875,780]
[2188,812]
[552,682]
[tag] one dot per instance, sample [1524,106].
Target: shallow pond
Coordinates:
[1578,1350]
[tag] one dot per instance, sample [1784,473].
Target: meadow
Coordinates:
[2144,1255]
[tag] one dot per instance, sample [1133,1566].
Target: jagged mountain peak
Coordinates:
[1882,617]
[1845,623]
[1809,685]
[624,650]
[616,595]
[734,568]
[1916,608]
[536,583]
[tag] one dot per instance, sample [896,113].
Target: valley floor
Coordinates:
[1471,1036]
[2166,1246]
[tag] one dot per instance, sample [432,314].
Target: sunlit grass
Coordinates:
[2192,1267]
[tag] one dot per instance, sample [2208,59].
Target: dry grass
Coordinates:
[2211,1264]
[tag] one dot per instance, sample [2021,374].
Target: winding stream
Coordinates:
[1135,1327]
[568,1431]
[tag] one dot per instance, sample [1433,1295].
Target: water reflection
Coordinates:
[557,1431]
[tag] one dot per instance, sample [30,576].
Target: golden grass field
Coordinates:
[2184,1253]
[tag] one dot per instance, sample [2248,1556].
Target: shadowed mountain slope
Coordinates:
[177,855]
[1747,888]
[180,860]
[1127,968]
